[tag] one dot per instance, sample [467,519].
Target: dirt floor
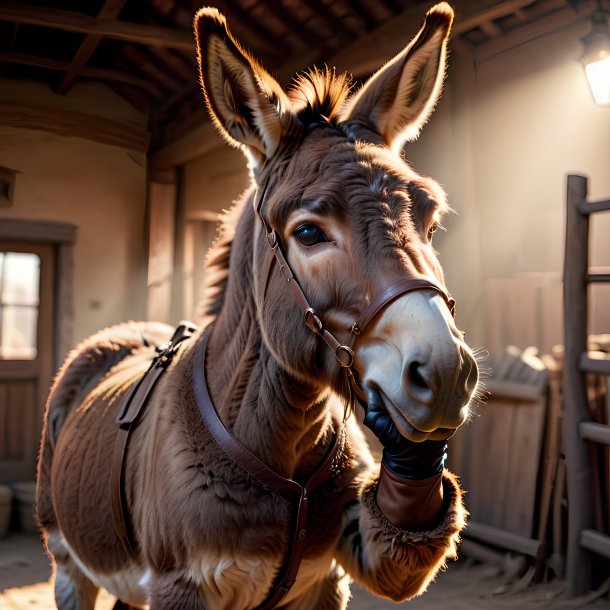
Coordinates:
[466,585]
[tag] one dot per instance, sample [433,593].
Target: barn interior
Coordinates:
[113,179]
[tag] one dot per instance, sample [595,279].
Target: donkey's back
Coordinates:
[78,435]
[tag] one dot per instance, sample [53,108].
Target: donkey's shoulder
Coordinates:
[91,360]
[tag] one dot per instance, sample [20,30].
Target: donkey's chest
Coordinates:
[238,582]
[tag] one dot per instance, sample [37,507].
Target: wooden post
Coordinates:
[579,476]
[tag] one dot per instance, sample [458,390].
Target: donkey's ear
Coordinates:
[247,104]
[399,98]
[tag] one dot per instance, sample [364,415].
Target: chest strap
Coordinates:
[130,413]
[266,475]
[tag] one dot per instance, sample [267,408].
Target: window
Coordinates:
[19,299]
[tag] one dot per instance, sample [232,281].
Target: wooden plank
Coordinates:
[522,472]
[17,229]
[109,10]
[17,12]
[502,389]
[507,540]
[75,124]
[599,365]
[598,433]
[13,57]
[579,475]
[596,542]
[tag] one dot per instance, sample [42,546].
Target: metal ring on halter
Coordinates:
[343,349]
[312,321]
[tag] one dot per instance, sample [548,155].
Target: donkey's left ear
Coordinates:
[399,98]
[246,103]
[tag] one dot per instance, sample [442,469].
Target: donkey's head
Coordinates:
[353,220]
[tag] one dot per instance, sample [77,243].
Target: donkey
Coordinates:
[246,483]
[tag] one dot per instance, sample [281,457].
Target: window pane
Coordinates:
[20,279]
[18,333]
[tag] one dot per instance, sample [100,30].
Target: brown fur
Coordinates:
[208,534]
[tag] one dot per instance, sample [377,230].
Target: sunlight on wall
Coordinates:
[531,120]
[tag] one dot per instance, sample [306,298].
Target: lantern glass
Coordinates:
[598,75]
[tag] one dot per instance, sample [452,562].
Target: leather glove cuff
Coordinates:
[416,460]
[414,505]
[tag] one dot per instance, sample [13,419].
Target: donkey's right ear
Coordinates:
[247,104]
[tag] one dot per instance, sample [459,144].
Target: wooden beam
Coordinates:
[12,57]
[258,31]
[74,124]
[339,27]
[522,34]
[69,21]
[366,54]
[491,28]
[147,65]
[297,28]
[109,10]
[196,143]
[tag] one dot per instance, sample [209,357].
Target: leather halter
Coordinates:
[251,464]
[343,350]
[130,413]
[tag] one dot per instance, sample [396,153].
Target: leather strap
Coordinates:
[393,291]
[343,351]
[266,475]
[130,413]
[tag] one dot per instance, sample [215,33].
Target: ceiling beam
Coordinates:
[69,21]
[13,57]
[70,123]
[110,10]
[371,50]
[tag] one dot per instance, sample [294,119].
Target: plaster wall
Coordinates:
[213,182]
[97,187]
[508,131]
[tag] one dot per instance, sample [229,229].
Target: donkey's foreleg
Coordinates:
[173,591]
[73,589]
[332,593]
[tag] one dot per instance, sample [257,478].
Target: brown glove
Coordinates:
[412,504]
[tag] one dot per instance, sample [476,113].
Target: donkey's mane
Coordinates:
[316,96]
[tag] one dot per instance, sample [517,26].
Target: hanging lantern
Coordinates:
[596,57]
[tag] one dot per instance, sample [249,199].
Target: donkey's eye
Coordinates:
[310,235]
[432,230]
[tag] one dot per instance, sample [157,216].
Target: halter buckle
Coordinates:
[272,239]
[344,356]
[312,321]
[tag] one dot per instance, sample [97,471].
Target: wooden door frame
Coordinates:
[62,236]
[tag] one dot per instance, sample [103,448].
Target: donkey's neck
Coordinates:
[285,422]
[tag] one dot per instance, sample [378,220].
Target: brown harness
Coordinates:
[133,406]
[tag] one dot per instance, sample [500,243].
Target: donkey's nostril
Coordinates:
[415,375]
[417,382]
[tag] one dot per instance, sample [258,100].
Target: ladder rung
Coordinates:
[596,542]
[598,277]
[594,365]
[599,433]
[590,207]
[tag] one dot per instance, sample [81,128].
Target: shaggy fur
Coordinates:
[208,534]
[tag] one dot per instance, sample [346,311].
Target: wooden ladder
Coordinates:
[583,540]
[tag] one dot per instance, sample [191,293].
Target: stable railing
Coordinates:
[584,541]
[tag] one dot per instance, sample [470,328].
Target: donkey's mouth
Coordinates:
[380,402]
